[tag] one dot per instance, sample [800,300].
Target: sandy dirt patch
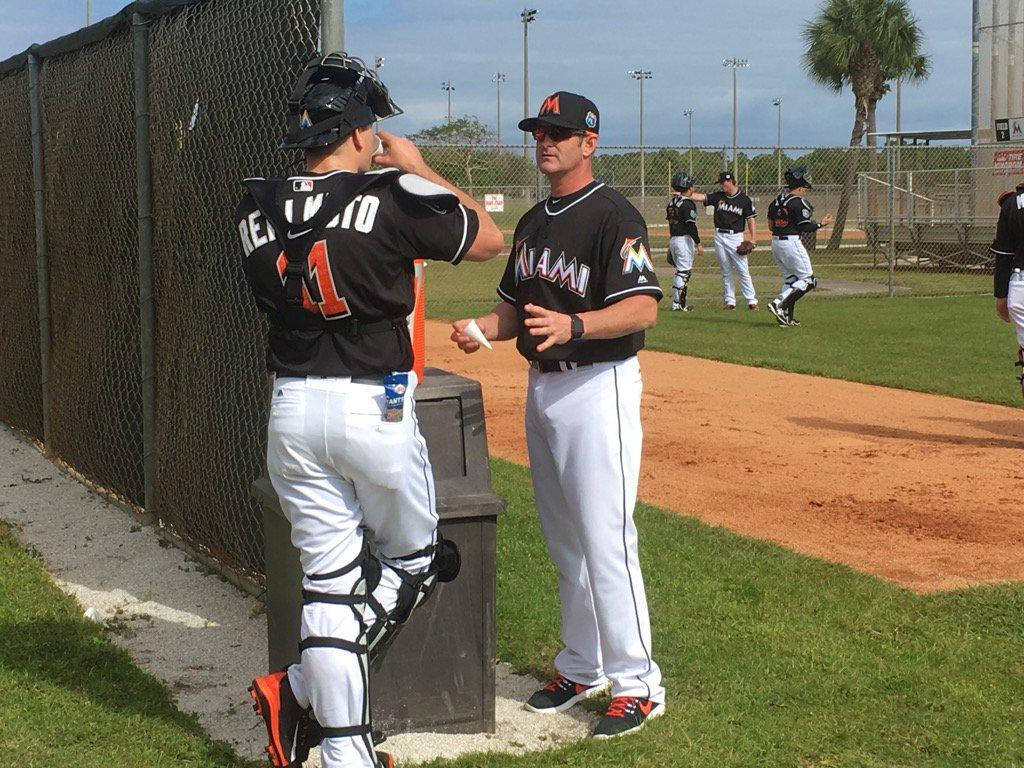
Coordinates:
[915,488]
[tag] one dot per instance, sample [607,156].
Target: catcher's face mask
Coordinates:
[335,95]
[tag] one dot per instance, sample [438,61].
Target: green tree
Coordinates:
[862,44]
[461,145]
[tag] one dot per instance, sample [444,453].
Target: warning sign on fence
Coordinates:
[494,203]
[1008,161]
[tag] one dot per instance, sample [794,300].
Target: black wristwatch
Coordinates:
[576,327]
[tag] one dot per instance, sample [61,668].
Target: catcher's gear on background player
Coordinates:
[684,239]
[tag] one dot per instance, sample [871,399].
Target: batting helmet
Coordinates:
[334,95]
[797,177]
[682,181]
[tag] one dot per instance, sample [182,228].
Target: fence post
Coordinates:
[332,26]
[42,262]
[147,309]
[892,221]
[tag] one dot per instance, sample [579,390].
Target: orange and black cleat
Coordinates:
[288,725]
[384,760]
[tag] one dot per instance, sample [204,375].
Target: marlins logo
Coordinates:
[305,121]
[634,254]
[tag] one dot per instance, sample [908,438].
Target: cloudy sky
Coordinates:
[588,45]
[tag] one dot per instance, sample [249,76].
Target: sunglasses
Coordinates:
[555,133]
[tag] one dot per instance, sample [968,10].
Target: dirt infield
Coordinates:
[919,489]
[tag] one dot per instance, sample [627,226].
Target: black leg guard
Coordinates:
[1020,364]
[413,592]
[790,301]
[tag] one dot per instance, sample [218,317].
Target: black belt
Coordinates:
[783,237]
[729,231]
[556,366]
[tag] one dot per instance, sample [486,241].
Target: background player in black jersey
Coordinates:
[684,239]
[789,216]
[1008,248]
[734,215]
[329,258]
[577,294]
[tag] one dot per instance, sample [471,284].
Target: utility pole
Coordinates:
[734,64]
[640,75]
[88,12]
[448,87]
[498,78]
[332,26]
[528,15]
[689,115]
[777,103]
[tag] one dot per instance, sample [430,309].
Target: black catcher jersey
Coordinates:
[790,214]
[681,214]
[356,281]
[579,253]
[1008,246]
[731,213]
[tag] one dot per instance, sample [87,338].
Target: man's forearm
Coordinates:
[636,313]
[502,324]
[752,230]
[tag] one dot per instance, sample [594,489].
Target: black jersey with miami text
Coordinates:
[790,214]
[359,269]
[731,211]
[681,214]
[579,253]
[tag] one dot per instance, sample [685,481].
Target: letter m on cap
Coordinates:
[550,105]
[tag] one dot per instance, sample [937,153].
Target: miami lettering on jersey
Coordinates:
[570,275]
[724,206]
[634,254]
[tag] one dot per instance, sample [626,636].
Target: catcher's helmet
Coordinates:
[682,181]
[797,177]
[334,95]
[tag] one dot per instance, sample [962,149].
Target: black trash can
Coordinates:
[439,674]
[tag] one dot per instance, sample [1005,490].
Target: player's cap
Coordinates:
[565,110]
[798,177]
[726,176]
[334,95]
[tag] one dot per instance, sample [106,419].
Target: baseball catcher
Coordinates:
[684,239]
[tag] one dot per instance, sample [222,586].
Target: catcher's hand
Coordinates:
[745,247]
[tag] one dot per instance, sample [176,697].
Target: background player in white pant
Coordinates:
[329,257]
[734,215]
[684,239]
[790,215]
[578,291]
[1008,248]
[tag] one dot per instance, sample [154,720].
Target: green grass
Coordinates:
[951,345]
[69,698]
[776,659]
[770,659]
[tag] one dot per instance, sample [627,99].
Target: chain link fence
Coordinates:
[216,120]
[852,257]
[20,392]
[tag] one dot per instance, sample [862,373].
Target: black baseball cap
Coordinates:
[566,110]
[726,176]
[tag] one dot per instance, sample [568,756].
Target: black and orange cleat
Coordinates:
[289,726]
[384,760]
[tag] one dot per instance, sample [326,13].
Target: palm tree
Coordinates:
[862,44]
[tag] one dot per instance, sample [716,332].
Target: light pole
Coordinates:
[734,64]
[528,15]
[689,115]
[777,103]
[640,75]
[498,78]
[448,87]
[88,12]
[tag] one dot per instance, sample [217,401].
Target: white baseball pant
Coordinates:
[1015,304]
[584,438]
[682,249]
[729,261]
[794,264]
[336,465]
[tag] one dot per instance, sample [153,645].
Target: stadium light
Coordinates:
[640,75]
[689,114]
[777,103]
[733,63]
[498,78]
[378,62]
[528,15]
[448,87]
